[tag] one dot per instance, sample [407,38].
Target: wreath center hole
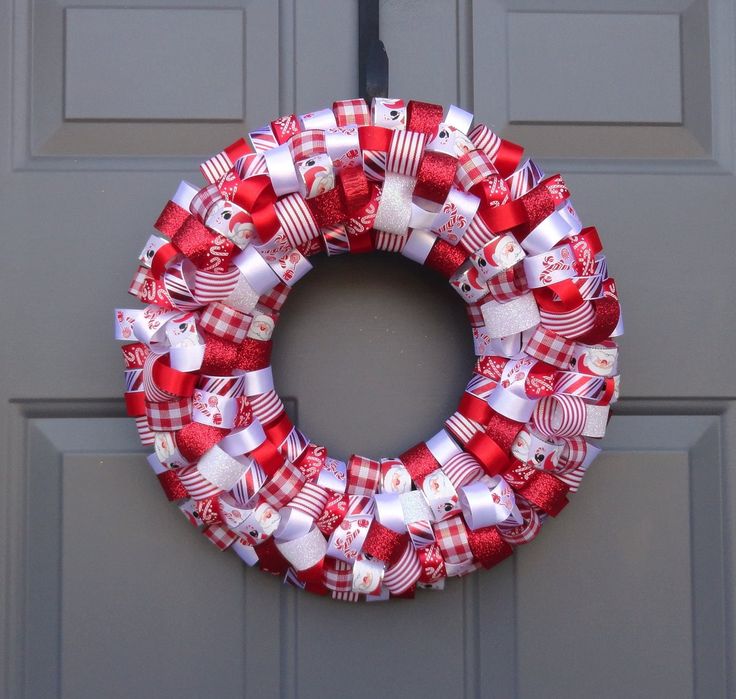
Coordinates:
[375,350]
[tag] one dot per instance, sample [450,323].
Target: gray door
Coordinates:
[107,592]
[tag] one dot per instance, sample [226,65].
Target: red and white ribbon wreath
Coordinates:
[419,180]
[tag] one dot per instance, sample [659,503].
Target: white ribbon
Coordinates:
[256,270]
[281,170]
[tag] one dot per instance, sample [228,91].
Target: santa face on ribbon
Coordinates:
[148,252]
[317,174]
[535,452]
[599,361]
[182,331]
[396,480]
[451,141]
[497,256]
[261,327]
[230,220]
[520,447]
[440,494]
[367,574]
[166,450]
[390,113]
[469,285]
[260,523]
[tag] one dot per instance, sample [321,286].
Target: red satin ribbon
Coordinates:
[268,457]
[161,259]
[256,196]
[178,383]
[568,294]
[490,455]
[474,408]
[135,403]
[278,429]
[313,578]
[526,213]
[270,558]
[508,157]
[375,138]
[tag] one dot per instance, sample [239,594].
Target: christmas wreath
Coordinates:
[412,179]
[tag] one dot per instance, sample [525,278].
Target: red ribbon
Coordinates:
[170,219]
[424,117]
[278,429]
[178,383]
[488,546]
[445,258]
[435,177]
[490,455]
[474,408]
[383,543]
[419,461]
[135,403]
[172,486]
[268,457]
[375,138]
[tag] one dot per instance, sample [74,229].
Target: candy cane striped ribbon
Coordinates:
[560,416]
[575,384]
[405,152]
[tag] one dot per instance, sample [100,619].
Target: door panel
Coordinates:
[111,593]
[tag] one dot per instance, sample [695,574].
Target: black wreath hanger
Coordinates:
[372,58]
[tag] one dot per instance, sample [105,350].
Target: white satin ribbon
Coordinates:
[443,447]
[256,270]
[184,194]
[511,405]
[458,118]
[281,170]
[556,227]
[257,382]
[321,120]
[486,505]
[389,512]
[333,475]
[245,440]
[419,245]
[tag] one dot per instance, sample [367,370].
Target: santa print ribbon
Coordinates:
[401,176]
